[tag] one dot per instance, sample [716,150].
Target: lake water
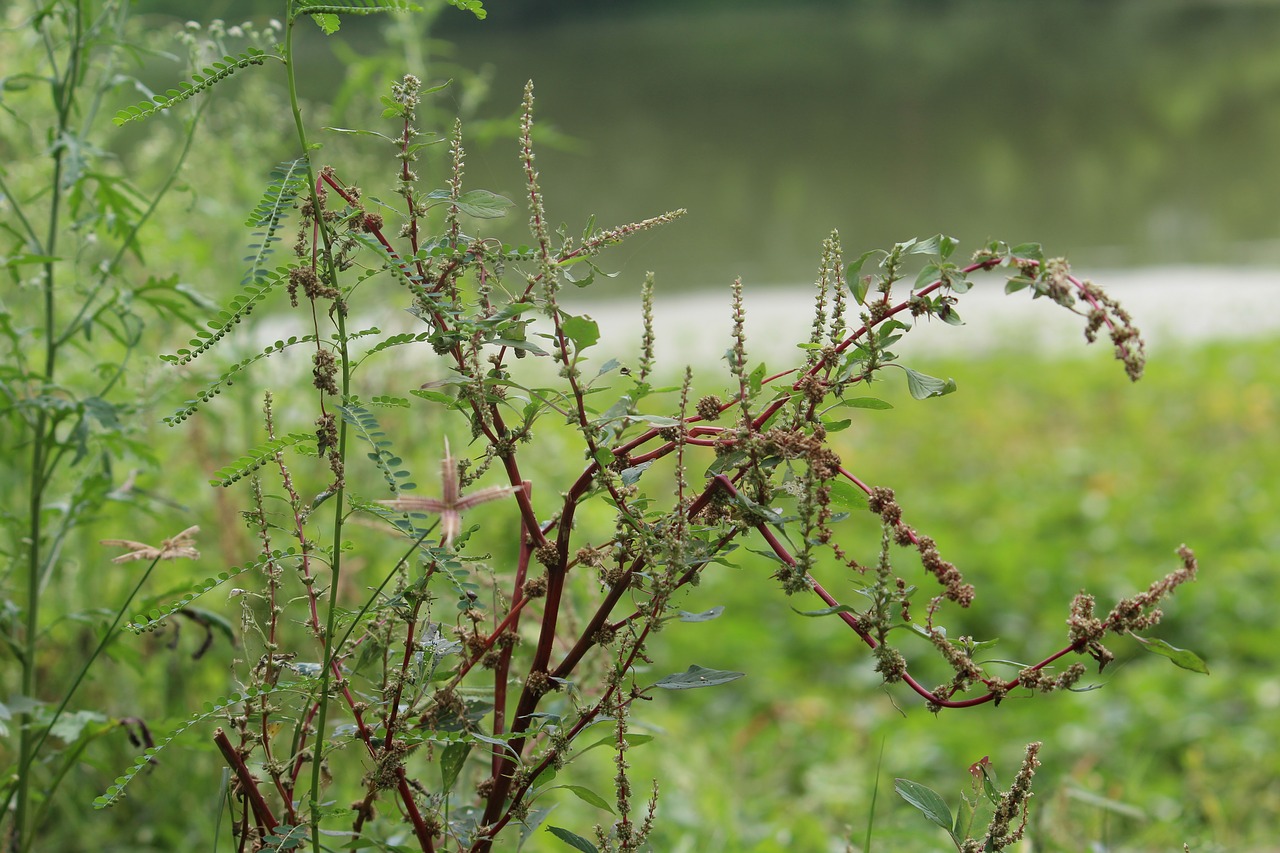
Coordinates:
[1120,134]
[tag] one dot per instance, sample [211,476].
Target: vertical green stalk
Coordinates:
[63,96]
[345,364]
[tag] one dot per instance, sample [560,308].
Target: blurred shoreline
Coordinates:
[1171,305]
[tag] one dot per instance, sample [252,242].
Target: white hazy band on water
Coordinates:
[1171,306]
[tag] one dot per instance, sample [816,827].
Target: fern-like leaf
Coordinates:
[395,341]
[240,307]
[115,793]
[368,428]
[215,388]
[289,179]
[155,617]
[354,7]
[257,457]
[212,75]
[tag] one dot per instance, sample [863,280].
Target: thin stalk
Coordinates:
[329,661]
[75,685]
[63,96]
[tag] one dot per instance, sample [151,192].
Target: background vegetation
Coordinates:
[1040,477]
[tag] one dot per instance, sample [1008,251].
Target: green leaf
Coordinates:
[631,475]
[697,676]
[654,420]
[858,284]
[846,495]
[590,797]
[577,842]
[483,204]
[452,758]
[69,726]
[1027,251]
[928,275]
[583,331]
[704,616]
[475,7]
[827,611]
[924,247]
[326,22]
[922,386]
[211,76]
[867,403]
[1180,657]
[756,379]
[17,260]
[926,801]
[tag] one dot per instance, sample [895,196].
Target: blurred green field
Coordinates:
[1039,478]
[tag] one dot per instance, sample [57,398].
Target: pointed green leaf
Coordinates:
[590,797]
[926,800]
[859,284]
[846,495]
[654,420]
[697,676]
[922,386]
[631,475]
[577,842]
[1180,657]
[827,611]
[452,758]
[867,403]
[928,275]
[483,204]
[704,616]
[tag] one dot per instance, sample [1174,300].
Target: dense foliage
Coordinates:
[505,622]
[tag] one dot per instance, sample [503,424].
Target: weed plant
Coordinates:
[546,515]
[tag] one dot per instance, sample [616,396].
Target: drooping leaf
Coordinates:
[922,386]
[926,801]
[452,759]
[867,403]
[577,842]
[631,475]
[827,611]
[1180,657]
[697,676]
[654,420]
[756,378]
[704,616]
[590,797]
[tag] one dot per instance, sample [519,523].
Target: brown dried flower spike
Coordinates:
[452,504]
[182,545]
